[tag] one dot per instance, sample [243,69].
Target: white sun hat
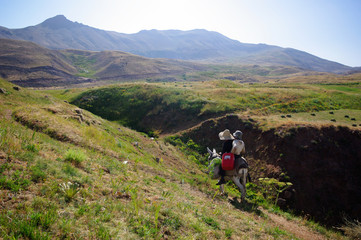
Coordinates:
[225,135]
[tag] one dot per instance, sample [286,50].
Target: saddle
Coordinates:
[239,162]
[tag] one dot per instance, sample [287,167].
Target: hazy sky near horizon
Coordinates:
[330,29]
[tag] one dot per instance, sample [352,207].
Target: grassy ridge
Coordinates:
[131,103]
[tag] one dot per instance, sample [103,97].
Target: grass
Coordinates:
[130,104]
[352,229]
[61,178]
[75,157]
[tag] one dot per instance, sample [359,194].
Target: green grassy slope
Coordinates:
[68,174]
[167,106]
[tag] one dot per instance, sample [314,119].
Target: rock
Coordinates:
[105,169]
[281,202]
[16,88]
[287,194]
[2,90]
[79,111]
[81,117]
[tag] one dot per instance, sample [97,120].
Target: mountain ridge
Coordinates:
[30,65]
[198,44]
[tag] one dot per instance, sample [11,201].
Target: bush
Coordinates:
[37,175]
[75,157]
[352,229]
[69,190]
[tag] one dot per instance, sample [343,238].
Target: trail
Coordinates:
[300,231]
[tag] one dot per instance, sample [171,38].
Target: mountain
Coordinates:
[28,64]
[202,45]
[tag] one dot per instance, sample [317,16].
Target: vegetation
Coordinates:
[70,175]
[83,64]
[160,107]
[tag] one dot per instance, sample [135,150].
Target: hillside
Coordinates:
[202,45]
[170,107]
[304,130]
[66,173]
[27,64]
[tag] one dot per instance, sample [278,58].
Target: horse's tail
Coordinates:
[249,177]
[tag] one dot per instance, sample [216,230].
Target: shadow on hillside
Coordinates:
[245,206]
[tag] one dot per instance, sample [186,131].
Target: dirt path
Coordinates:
[295,228]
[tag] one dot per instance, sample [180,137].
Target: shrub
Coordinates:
[69,190]
[272,187]
[352,229]
[75,157]
[36,174]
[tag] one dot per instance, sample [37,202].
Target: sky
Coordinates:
[330,29]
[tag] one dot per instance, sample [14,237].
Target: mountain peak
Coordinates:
[58,22]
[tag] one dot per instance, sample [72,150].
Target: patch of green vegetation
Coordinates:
[15,182]
[129,105]
[34,225]
[354,87]
[75,157]
[83,64]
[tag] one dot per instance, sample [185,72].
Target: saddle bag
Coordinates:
[228,161]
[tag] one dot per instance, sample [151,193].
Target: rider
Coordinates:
[232,144]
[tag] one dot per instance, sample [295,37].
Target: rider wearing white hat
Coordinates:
[232,144]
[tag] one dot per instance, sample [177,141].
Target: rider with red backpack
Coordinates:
[233,146]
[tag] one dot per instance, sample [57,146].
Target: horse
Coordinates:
[238,176]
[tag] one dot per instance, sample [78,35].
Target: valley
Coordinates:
[67,173]
[296,128]
[99,143]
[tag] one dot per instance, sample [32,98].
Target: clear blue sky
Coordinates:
[329,29]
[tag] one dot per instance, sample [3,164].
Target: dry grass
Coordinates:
[352,229]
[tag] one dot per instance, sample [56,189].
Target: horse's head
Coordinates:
[212,154]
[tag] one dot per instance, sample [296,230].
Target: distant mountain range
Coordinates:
[200,45]
[28,64]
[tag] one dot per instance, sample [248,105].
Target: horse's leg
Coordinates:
[244,180]
[221,187]
[238,183]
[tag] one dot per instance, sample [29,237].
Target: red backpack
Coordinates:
[227,161]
